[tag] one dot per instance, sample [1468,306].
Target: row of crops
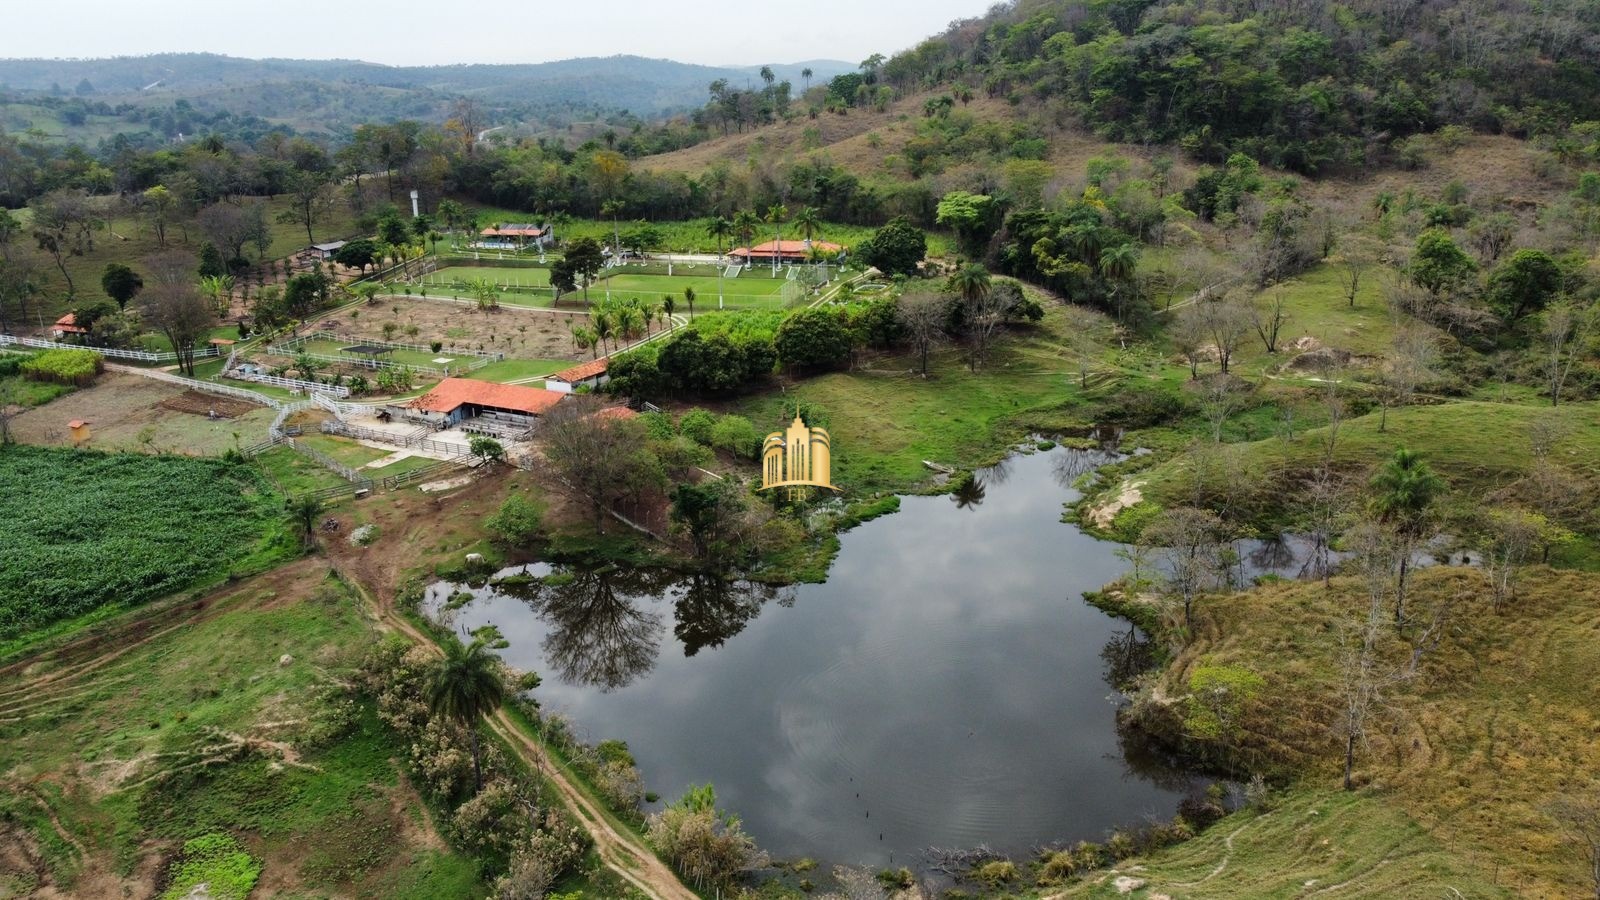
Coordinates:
[85,529]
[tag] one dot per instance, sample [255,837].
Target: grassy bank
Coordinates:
[118,750]
[1498,720]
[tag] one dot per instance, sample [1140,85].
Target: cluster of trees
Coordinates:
[1302,86]
[490,809]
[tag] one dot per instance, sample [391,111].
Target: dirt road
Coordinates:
[621,851]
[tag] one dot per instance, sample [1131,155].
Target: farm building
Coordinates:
[484,407]
[591,374]
[785,251]
[514,236]
[324,252]
[67,325]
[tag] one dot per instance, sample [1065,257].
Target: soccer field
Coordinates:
[746,291]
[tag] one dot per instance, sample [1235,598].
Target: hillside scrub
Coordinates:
[1497,694]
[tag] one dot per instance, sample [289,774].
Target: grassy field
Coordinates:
[295,473]
[88,530]
[117,750]
[513,369]
[748,291]
[690,236]
[1477,445]
[1345,844]
[1500,719]
[126,412]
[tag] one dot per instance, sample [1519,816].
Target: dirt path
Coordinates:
[623,853]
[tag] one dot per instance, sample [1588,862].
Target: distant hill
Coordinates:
[298,91]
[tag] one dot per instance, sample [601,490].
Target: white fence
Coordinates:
[111,352]
[293,384]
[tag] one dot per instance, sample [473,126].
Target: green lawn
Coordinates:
[295,473]
[513,369]
[752,290]
[453,277]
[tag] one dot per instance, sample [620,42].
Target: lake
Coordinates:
[946,687]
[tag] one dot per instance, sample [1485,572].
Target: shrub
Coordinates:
[697,425]
[75,367]
[658,426]
[217,861]
[518,520]
[813,339]
[996,873]
[1217,698]
[1058,867]
[736,435]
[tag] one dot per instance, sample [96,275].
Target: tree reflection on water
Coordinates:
[602,635]
[711,609]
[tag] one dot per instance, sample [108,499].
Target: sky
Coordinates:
[410,32]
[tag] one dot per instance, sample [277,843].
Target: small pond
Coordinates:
[946,687]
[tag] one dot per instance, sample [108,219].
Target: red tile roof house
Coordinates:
[515,234]
[786,251]
[456,399]
[592,374]
[67,324]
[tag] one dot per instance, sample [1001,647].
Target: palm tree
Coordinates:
[805,74]
[744,225]
[464,686]
[775,216]
[667,304]
[305,512]
[602,327]
[808,220]
[971,281]
[1404,489]
[688,297]
[612,209]
[767,76]
[720,229]
[1119,263]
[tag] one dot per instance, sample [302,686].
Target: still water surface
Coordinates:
[946,687]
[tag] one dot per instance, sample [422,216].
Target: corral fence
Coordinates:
[147,356]
[416,439]
[296,347]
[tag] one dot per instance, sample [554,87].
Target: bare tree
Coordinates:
[1355,259]
[1577,812]
[1190,335]
[1364,677]
[1269,319]
[986,314]
[1328,494]
[1566,335]
[230,227]
[19,283]
[1221,395]
[1510,536]
[1411,357]
[173,304]
[923,316]
[1189,543]
[1081,326]
[63,225]
[600,457]
[1227,321]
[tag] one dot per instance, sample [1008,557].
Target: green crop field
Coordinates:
[86,530]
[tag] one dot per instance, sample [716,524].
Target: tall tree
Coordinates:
[1403,493]
[923,317]
[720,229]
[464,686]
[586,259]
[121,284]
[173,305]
